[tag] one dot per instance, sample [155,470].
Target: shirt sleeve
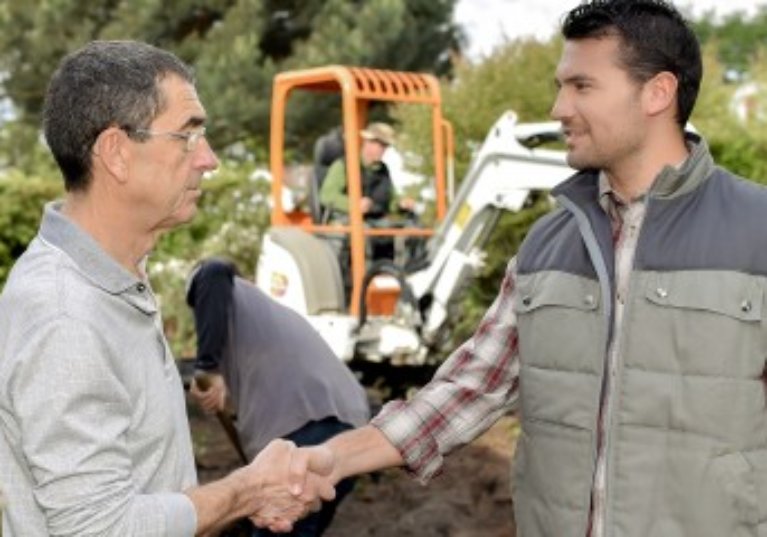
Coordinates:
[469,392]
[74,415]
[333,190]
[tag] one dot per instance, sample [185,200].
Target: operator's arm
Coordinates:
[401,203]
[333,192]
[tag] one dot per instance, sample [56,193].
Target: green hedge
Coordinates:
[21,203]
[234,211]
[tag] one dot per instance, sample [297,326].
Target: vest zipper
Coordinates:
[600,266]
[619,339]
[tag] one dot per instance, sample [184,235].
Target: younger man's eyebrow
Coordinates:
[573,79]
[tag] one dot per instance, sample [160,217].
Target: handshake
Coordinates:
[285,483]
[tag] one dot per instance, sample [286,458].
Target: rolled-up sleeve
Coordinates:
[74,414]
[469,392]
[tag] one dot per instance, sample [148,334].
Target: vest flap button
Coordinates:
[526,300]
[589,300]
[746,306]
[661,292]
[140,287]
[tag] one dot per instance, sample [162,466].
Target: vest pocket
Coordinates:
[704,323]
[721,292]
[557,311]
[555,289]
[738,483]
[757,460]
[551,479]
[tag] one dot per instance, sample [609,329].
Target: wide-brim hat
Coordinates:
[380,132]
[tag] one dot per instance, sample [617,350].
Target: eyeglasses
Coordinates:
[190,138]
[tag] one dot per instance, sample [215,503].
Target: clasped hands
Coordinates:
[293,482]
[283,483]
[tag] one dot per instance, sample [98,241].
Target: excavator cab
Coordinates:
[358,89]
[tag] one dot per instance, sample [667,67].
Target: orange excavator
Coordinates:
[394,313]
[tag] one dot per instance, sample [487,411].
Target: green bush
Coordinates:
[234,211]
[736,145]
[21,203]
[233,214]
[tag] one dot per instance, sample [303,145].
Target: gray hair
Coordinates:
[104,84]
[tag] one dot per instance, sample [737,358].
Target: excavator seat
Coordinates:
[327,149]
[317,263]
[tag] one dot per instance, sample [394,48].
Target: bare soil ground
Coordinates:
[470,498]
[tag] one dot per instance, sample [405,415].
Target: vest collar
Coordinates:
[672,182]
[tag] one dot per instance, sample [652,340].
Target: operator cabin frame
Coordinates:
[359,87]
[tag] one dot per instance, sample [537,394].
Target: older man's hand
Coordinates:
[280,466]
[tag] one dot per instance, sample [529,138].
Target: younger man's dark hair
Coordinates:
[654,37]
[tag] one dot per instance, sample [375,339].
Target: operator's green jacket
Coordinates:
[376,185]
[686,440]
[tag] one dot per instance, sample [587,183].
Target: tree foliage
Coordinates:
[737,37]
[518,76]
[738,145]
[21,202]
[236,46]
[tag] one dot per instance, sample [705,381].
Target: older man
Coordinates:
[94,436]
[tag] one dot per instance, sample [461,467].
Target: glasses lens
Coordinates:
[193,139]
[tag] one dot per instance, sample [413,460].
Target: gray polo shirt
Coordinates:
[94,438]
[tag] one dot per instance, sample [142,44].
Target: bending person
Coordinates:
[282,378]
[94,437]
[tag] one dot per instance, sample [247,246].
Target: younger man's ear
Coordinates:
[660,93]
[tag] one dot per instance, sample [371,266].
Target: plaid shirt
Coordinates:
[469,392]
[480,380]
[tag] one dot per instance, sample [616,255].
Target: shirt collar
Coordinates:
[91,260]
[609,198]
